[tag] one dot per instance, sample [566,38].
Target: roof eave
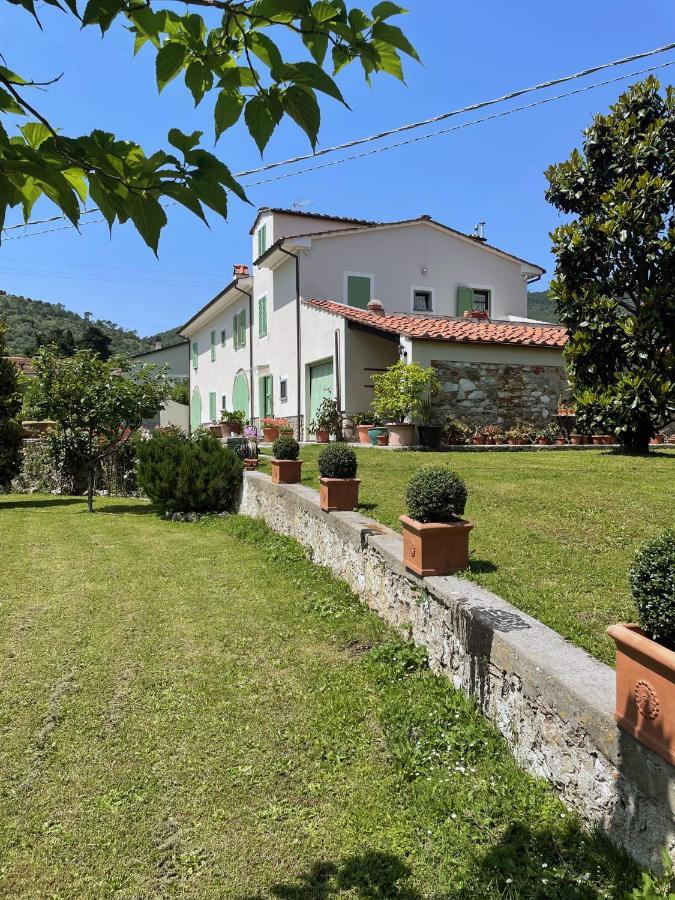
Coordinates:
[242,284]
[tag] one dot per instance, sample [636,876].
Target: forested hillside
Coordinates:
[539,306]
[26,319]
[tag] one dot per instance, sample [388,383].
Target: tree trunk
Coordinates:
[91,479]
[638,441]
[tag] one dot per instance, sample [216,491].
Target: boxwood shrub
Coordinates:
[652,583]
[435,494]
[337,461]
[285,448]
[189,474]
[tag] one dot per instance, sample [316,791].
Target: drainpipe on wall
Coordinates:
[249,294]
[297,330]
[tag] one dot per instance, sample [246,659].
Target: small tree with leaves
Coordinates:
[614,284]
[97,404]
[230,57]
[10,404]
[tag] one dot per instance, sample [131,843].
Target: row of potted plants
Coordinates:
[435,537]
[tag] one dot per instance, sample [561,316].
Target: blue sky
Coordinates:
[491,172]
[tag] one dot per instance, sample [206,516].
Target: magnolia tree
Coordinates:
[10,404]
[231,58]
[614,283]
[97,404]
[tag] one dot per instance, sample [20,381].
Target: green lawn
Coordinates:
[554,531]
[197,711]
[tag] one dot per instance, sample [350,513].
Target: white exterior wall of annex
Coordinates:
[396,257]
[218,376]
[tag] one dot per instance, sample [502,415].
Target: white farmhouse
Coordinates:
[329,301]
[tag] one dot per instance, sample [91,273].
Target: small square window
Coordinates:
[481,300]
[283,389]
[422,301]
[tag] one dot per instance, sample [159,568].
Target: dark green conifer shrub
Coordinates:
[337,461]
[652,583]
[183,474]
[435,494]
[285,448]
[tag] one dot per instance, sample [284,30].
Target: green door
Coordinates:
[240,393]
[358,291]
[196,410]
[320,386]
[266,397]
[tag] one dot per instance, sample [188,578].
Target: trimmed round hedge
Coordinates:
[435,494]
[285,448]
[652,583]
[337,461]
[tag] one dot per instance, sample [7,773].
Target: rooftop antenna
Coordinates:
[479,232]
[300,204]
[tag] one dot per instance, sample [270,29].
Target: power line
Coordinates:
[412,125]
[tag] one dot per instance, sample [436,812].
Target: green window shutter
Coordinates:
[358,291]
[213,346]
[242,328]
[262,239]
[195,354]
[262,409]
[269,395]
[464,300]
[213,412]
[262,317]
[235,332]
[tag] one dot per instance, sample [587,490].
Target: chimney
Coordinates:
[375,306]
[479,233]
[240,270]
[158,345]
[476,314]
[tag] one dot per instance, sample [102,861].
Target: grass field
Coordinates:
[197,711]
[554,531]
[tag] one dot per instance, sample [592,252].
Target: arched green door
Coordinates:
[240,393]
[196,409]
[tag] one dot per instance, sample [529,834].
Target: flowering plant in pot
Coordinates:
[478,437]
[252,435]
[492,434]
[547,434]
[271,428]
[327,421]
[286,467]
[232,422]
[645,652]
[457,430]
[435,537]
[397,395]
[339,486]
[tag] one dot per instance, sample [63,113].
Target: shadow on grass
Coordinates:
[367,507]
[370,876]
[134,508]
[38,502]
[482,566]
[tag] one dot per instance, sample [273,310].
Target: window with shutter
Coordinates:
[473,300]
[262,239]
[464,300]
[213,346]
[266,396]
[262,317]
[358,290]
[195,355]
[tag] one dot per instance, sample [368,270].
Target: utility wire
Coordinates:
[412,125]
[375,150]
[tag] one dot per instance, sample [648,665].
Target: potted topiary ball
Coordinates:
[286,467]
[645,653]
[435,537]
[339,486]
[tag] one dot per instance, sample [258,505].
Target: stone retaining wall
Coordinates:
[499,394]
[552,701]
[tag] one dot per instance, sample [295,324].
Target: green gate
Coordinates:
[320,386]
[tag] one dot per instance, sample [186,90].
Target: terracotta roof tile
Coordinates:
[432,328]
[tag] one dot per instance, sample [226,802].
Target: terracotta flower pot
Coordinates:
[657,439]
[608,440]
[401,434]
[363,433]
[216,430]
[227,429]
[560,442]
[645,689]
[383,440]
[434,548]
[491,441]
[286,471]
[544,442]
[598,439]
[577,439]
[339,494]
[322,437]
[250,464]
[478,439]
[513,442]
[374,433]
[270,434]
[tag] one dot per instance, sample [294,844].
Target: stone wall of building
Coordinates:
[552,702]
[500,394]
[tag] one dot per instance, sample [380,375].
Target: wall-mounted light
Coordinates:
[423,270]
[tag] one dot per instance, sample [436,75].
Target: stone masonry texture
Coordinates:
[499,394]
[552,702]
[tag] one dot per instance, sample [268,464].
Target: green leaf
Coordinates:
[76,177]
[265,49]
[394,36]
[35,133]
[358,20]
[149,218]
[198,79]
[211,194]
[9,105]
[184,142]
[261,118]
[388,59]
[386,9]
[170,60]
[313,76]
[323,11]
[102,13]
[316,43]
[10,76]
[301,105]
[185,197]
[228,110]
[236,77]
